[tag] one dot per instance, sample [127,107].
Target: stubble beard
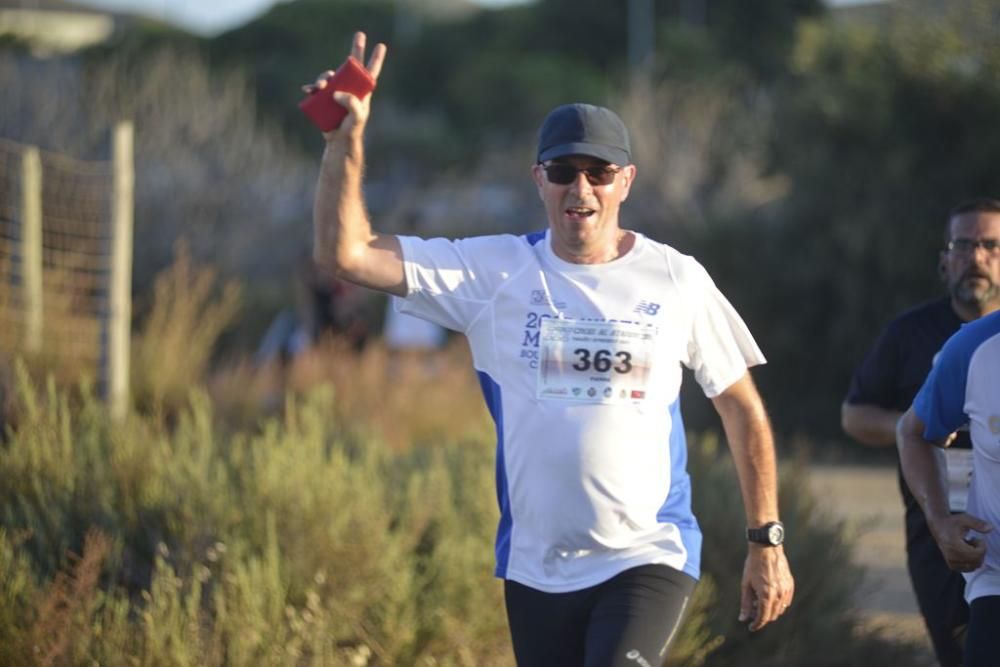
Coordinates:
[983,299]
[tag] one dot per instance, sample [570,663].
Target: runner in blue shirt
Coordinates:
[886,382]
[963,389]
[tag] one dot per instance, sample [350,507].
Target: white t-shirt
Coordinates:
[963,387]
[580,366]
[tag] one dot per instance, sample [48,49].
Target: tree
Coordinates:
[879,139]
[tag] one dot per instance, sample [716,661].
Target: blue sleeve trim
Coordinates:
[940,404]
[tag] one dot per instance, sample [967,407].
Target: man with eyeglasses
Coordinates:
[578,334]
[885,384]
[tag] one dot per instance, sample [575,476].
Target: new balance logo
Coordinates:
[647,307]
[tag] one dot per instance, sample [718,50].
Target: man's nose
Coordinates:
[580,183]
[980,257]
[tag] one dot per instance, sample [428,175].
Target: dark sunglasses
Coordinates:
[968,246]
[564,174]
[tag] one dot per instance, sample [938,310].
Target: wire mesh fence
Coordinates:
[61,268]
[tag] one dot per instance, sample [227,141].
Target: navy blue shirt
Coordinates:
[895,369]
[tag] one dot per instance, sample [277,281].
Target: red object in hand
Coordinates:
[320,106]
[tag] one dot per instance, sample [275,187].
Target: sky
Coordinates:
[208,17]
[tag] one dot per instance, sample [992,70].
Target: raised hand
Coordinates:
[357,109]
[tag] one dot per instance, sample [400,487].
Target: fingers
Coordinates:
[761,613]
[967,522]
[962,549]
[967,555]
[767,588]
[375,62]
[770,606]
[785,597]
[322,78]
[358,53]
[349,102]
[319,84]
[358,46]
[378,54]
[752,610]
[747,602]
[976,524]
[761,617]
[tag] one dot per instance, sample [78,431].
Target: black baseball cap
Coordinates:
[584,129]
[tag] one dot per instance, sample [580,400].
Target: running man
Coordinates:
[578,334]
[963,389]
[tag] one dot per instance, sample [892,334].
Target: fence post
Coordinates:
[120,292]
[31,245]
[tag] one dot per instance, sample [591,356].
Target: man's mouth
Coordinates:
[579,212]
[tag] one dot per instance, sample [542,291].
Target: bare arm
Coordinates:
[767,587]
[343,240]
[925,473]
[869,424]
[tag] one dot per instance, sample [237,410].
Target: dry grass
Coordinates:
[405,400]
[173,348]
[64,612]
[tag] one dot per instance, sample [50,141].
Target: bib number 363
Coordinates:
[594,362]
[602,361]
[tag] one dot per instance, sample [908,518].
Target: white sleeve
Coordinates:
[451,282]
[721,348]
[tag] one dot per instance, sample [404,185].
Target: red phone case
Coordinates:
[320,107]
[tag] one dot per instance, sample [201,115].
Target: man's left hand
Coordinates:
[767,588]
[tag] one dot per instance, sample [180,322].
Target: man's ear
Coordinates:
[628,173]
[942,269]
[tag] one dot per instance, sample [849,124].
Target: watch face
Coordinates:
[776,534]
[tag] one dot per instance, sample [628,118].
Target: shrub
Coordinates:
[293,544]
[822,627]
[306,542]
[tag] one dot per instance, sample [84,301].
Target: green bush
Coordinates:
[292,544]
[299,542]
[822,628]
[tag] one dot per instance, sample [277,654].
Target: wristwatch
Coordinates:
[770,534]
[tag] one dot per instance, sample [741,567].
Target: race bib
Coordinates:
[594,362]
[959,463]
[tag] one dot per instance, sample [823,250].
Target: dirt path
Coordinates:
[868,501]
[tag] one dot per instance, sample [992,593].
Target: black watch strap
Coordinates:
[770,534]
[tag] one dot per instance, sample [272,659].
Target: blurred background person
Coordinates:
[323,306]
[326,311]
[410,339]
[886,382]
[330,307]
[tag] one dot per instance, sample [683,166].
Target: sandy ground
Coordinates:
[869,503]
